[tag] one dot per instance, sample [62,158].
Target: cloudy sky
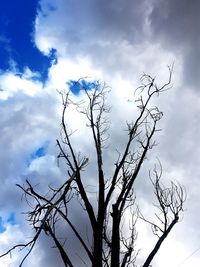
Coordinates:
[43,45]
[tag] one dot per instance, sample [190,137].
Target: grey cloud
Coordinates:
[177,20]
[120,20]
[105,32]
[176,25]
[111,34]
[23,130]
[99,29]
[97,20]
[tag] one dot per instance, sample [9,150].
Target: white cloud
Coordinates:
[7,239]
[115,43]
[12,83]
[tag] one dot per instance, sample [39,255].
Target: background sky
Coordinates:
[44,45]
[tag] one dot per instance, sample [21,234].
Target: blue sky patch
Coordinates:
[2,228]
[16,37]
[77,86]
[38,153]
[11,219]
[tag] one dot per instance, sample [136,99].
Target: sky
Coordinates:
[47,45]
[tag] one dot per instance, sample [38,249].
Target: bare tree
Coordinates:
[109,245]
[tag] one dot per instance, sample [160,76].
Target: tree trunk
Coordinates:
[115,253]
[97,254]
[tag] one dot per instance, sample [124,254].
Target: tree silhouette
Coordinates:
[108,244]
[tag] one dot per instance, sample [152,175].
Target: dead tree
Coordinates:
[110,246]
[170,202]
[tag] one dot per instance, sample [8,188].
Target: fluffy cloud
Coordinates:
[115,41]
[111,36]
[113,33]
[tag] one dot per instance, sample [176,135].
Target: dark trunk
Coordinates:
[115,254]
[97,254]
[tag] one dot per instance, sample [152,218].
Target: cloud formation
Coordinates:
[175,25]
[113,34]
[115,41]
